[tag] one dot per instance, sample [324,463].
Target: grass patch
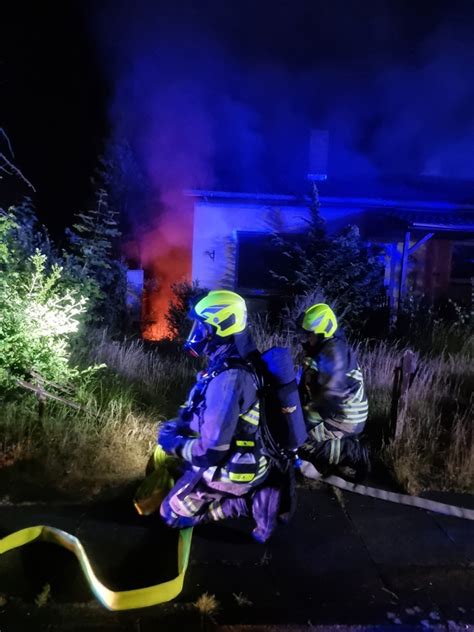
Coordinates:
[43,597]
[82,452]
[207,605]
[109,441]
[436,447]
[242,600]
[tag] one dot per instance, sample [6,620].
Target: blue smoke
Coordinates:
[224,95]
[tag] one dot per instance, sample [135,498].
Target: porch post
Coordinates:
[403,270]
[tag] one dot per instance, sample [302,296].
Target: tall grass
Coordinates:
[108,442]
[160,378]
[436,447]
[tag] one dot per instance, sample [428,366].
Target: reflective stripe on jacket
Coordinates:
[332,389]
[225,423]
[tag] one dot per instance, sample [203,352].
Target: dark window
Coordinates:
[462,266]
[258,255]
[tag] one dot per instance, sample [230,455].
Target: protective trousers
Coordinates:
[332,450]
[188,505]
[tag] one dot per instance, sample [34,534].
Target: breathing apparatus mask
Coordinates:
[217,317]
[199,339]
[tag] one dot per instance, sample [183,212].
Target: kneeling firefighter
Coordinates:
[226,471]
[333,395]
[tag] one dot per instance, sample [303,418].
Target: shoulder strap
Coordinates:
[244,365]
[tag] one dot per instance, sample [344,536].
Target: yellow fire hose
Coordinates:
[154,487]
[148,499]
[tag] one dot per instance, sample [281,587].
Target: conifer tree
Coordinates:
[343,267]
[94,263]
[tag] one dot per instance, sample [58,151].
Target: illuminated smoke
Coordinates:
[177,148]
[212,98]
[166,256]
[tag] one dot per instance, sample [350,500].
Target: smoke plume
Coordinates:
[224,95]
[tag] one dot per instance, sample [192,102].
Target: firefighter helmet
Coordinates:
[217,315]
[319,319]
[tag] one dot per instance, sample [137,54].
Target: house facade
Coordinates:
[426,228]
[425,225]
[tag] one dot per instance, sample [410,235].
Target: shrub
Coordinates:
[342,267]
[92,266]
[436,329]
[176,317]
[37,315]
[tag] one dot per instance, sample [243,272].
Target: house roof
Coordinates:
[448,221]
[418,203]
[429,190]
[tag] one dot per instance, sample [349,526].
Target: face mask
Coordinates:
[198,338]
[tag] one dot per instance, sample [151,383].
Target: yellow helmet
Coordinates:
[225,311]
[319,319]
[219,313]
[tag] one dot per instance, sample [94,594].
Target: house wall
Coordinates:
[461,287]
[216,225]
[430,271]
[438,267]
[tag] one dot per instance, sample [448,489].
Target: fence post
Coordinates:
[41,405]
[402,381]
[472,300]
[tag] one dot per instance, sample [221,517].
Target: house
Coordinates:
[425,224]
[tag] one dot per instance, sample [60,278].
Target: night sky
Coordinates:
[64,68]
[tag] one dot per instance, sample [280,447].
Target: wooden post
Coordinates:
[403,270]
[393,286]
[41,405]
[403,379]
[40,396]
[472,300]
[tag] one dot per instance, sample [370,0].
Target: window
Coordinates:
[258,256]
[462,266]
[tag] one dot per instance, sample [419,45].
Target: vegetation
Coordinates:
[37,315]
[47,302]
[93,266]
[107,394]
[109,440]
[436,447]
[349,269]
[207,606]
[435,329]
[177,315]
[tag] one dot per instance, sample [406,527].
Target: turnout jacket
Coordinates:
[332,387]
[221,419]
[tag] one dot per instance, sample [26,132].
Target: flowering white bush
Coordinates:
[37,313]
[50,313]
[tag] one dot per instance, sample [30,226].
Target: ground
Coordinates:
[345,562]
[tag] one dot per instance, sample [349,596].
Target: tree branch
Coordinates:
[8,166]
[7,140]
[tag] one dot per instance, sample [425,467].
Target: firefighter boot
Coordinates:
[265,509]
[318,454]
[354,461]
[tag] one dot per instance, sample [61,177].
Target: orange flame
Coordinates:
[166,255]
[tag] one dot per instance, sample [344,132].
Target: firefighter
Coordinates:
[333,396]
[216,434]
